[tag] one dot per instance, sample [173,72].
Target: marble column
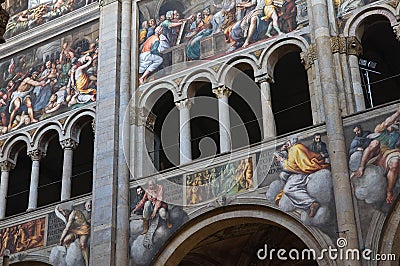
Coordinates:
[334,126]
[223,94]
[269,128]
[36,156]
[185,144]
[354,50]
[6,167]
[68,145]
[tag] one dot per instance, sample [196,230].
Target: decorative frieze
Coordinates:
[338,45]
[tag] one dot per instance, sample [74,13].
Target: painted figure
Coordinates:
[149,58]
[360,141]
[318,146]
[76,227]
[152,204]
[384,151]
[297,162]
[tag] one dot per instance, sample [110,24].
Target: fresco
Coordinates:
[177,34]
[223,180]
[72,234]
[153,218]
[28,14]
[49,79]
[305,182]
[22,237]
[374,161]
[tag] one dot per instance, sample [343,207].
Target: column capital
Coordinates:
[396,30]
[69,144]
[36,155]
[222,92]
[354,46]
[265,78]
[186,103]
[339,44]
[6,166]
[308,57]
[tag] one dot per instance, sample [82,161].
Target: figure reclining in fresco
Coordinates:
[298,162]
[76,227]
[384,151]
[152,203]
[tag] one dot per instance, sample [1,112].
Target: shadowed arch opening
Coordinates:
[245,101]
[50,171]
[290,94]
[19,180]
[30,263]
[163,148]
[381,47]
[82,166]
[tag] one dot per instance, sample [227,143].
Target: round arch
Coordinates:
[227,71]
[271,56]
[74,124]
[354,23]
[151,94]
[203,75]
[390,233]
[44,134]
[196,230]
[13,146]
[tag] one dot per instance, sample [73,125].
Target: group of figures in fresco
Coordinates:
[39,12]
[219,181]
[32,90]
[242,23]
[22,237]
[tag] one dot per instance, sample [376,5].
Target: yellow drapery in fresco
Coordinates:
[303,161]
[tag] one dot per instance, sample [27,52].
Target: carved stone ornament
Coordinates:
[308,57]
[4,16]
[396,30]
[187,103]
[338,45]
[222,91]
[6,166]
[69,144]
[36,155]
[354,46]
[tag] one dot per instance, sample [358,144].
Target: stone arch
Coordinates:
[201,75]
[31,260]
[229,69]
[212,221]
[390,233]
[42,136]
[272,54]
[74,124]
[150,96]
[14,145]
[353,25]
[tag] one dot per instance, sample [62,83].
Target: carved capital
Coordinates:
[338,44]
[266,78]
[69,144]
[222,91]
[396,30]
[36,155]
[143,117]
[6,166]
[308,57]
[187,103]
[354,46]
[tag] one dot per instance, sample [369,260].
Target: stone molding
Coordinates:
[6,166]
[265,78]
[221,92]
[36,155]
[69,144]
[186,103]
